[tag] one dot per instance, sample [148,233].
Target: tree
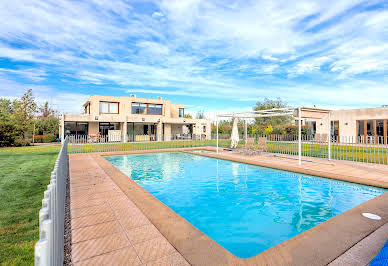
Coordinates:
[24,111]
[188,116]
[273,120]
[47,125]
[46,110]
[5,109]
[200,115]
[9,132]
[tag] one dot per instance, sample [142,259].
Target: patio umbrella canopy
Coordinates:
[235,137]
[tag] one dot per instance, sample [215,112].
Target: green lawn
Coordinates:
[135,146]
[24,175]
[351,152]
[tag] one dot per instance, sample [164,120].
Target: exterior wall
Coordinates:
[347,120]
[175,110]
[169,118]
[167,131]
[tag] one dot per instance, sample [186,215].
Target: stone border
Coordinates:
[319,245]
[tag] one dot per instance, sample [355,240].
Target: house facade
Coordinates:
[366,125]
[131,119]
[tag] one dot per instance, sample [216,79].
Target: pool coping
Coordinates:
[319,245]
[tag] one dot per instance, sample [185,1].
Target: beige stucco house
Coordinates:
[128,119]
[366,125]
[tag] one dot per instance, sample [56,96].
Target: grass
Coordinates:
[24,175]
[350,152]
[341,152]
[135,146]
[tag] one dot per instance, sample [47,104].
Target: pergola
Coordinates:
[287,111]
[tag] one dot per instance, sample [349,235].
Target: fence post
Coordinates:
[329,137]
[300,136]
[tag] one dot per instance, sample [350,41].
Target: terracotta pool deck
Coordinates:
[116,222]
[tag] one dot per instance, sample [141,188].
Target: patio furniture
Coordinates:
[261,145]
[248,146]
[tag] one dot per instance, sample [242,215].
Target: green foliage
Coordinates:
[46,138]
[188,116]
[9,133]
[268,130]
[17,119]
[273,120]
[293,130]
[5,110]
[23,112]
[200,115]
[46,110]
[47,125]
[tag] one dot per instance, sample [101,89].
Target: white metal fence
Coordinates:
[350,148]
[49,250]
[98,138]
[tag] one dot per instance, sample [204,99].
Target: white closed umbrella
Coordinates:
[235,138]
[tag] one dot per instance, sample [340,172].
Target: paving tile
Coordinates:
[74,204]
[130,222]
[142,233]
[153,249]
[124,256]
[79,212]
[98,246]
[346,260]
[95,231]
[175,259]
[120,203]
[91,220]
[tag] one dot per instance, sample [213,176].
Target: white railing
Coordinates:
[349,148]
[49,250]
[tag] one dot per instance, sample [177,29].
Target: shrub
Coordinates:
[9,133]
[293,130]
[22,142]
[268,130]
[45,138]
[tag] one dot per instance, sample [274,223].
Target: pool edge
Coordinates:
[317,246]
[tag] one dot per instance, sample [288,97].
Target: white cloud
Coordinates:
[236,50]
[61,101]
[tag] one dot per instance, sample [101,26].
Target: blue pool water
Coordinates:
[245,208]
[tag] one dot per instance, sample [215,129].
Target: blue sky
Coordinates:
[210,55]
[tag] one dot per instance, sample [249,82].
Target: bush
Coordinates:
[9,133]
[293,130]
[22,142]
[46,138]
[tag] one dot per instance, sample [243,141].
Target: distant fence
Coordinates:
[84,144]
[357,149]
[349,148]
[49,250]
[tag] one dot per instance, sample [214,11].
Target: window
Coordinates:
[151,109]
[312,127]
[76,128]
[335,128]
[135,108]
[360,126]
[143,108]
[380,128]
[204,129]
[109,108]
[158,109]
[181,112]
[369,128]
[105,127]
[87,109]
[146,108]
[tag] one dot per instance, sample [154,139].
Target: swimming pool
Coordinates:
[244,208]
